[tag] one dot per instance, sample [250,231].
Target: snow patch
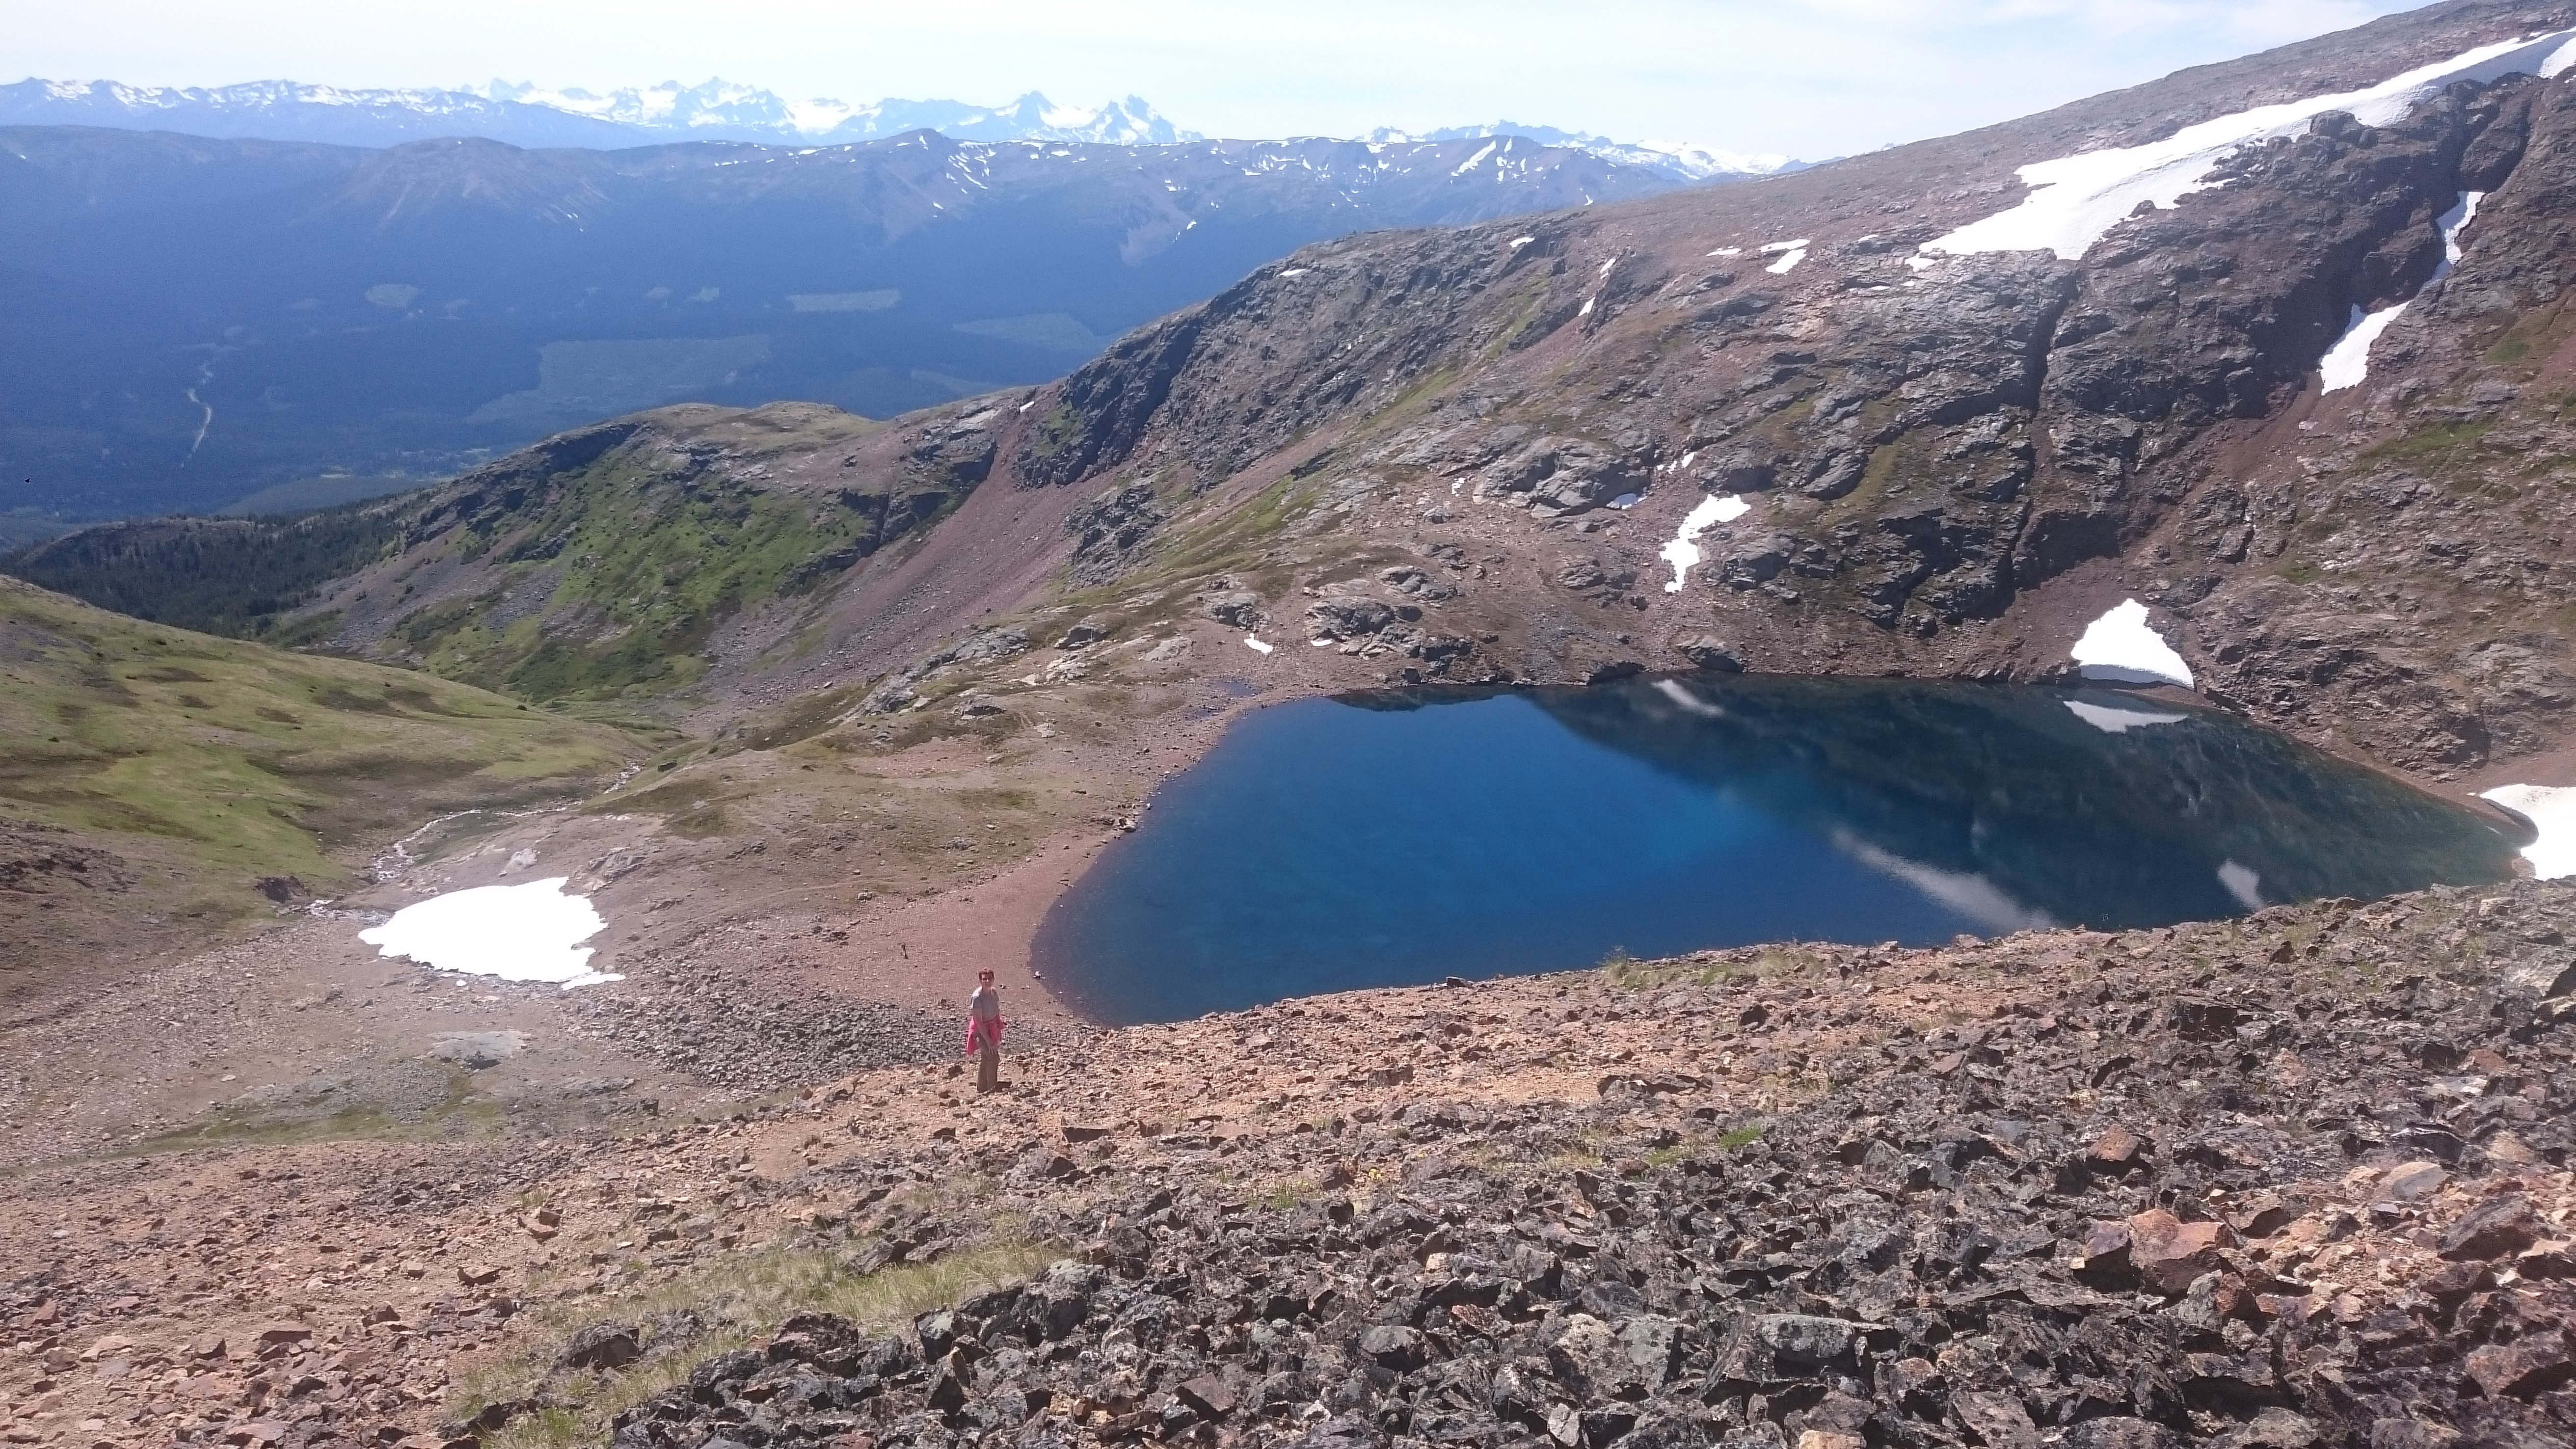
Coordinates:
[1790,253]
[2119,648]
[2552,811]
[1682,549]
[2112,720]
[1519,242]
[528,932]
[1257,644]
[2074,200]
[2347,363]
[2452,223]
[1728,252]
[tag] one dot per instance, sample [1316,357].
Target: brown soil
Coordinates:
[376,1289]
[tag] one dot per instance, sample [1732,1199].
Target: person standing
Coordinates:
[984,1032]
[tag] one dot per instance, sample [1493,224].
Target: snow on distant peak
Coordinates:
[2074,200]
[1681,161]
[528,114]
[525,113]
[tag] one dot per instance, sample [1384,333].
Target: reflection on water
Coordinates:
[1403,836]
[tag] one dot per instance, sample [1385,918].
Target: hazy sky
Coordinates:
[1808,77]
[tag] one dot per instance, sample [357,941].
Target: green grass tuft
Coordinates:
[739,1297]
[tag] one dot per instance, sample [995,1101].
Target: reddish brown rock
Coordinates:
[2116,1148]
[2169,1253]
[2494,1228]
[2529,1365]
[2412,1183]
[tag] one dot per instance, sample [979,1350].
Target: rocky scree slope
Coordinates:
[2295,1180]
[2135,1194]
[1951,463]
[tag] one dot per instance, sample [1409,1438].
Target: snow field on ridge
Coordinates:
[2076,199]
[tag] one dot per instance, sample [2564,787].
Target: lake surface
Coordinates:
[1399,837]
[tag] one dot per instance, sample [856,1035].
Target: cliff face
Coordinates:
[1953,461]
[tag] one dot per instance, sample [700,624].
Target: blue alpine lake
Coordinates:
[1400,837]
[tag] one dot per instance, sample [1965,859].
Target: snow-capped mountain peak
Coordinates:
[526,114]
[718,109]
[1682,160]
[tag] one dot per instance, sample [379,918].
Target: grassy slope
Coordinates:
[647,567]
[596,580]
[232,576]
[211,763]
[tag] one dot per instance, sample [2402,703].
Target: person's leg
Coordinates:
[988,1067]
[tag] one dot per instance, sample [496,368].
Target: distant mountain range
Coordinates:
[718,110]
[1680,160]
[188,323]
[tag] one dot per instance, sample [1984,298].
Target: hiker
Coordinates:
[984,1032]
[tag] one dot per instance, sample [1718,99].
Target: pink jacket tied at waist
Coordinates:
[984,1020]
